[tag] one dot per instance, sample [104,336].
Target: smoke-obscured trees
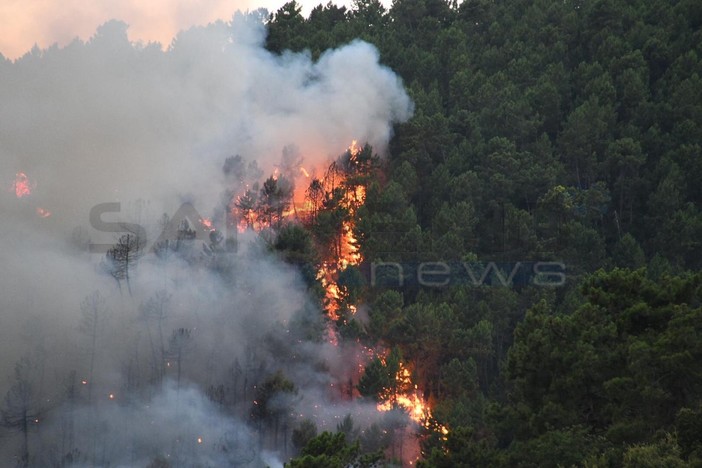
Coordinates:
[121,259]
[272,406]
[303,433]
[22,407]
[155,311]
[179,344]
[274,199]
[94,313]
[332,449]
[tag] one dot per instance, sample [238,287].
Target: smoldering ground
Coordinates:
[170,370]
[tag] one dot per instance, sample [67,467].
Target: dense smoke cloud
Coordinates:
[112,121]
[109,120]
[45,22]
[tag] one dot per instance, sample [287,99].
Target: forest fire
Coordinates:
[291,193]
[327,207]
[22,186]
[406,396]
[347,250]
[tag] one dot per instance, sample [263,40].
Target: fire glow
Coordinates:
[349,254]
[407,396]
[43,213]
[343,188]
[22,186]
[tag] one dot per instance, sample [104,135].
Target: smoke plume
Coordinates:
[107,121]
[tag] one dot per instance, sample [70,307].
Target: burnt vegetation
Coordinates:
[565,132]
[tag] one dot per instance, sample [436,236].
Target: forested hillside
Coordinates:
[565,132]
[443,234]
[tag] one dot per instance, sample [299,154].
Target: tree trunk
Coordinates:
[24,460]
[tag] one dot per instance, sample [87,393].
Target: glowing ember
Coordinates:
[199,440]
[207,224]
[22,185]
[112,396]
[43,213]
[304,172]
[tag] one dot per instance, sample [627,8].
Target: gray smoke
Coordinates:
[111,121]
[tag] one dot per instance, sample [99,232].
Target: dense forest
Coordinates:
[543,131]
[503,272]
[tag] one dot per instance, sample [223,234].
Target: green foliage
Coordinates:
[295,244]
[327,450]
[563,131]
[272,398]
[623,363]
[663,453]
[379,375]
[303,433]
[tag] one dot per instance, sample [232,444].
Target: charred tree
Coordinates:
[121,259]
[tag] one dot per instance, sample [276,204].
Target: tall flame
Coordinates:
[407,396]
[349,254]
[341,187]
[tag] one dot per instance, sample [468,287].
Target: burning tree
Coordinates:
[22,186]
[379,380]
[314,195]
[274,199]
[246,206]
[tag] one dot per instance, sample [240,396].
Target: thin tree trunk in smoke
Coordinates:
[178,345]
[92,362]
[155,374]
[25,439]
[155,309]
[92,321]
[68,439]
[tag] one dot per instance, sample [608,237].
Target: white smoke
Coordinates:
[112,121]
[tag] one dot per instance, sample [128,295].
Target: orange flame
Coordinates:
[354,149]
[408,397]
[43,212]
[22,185]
